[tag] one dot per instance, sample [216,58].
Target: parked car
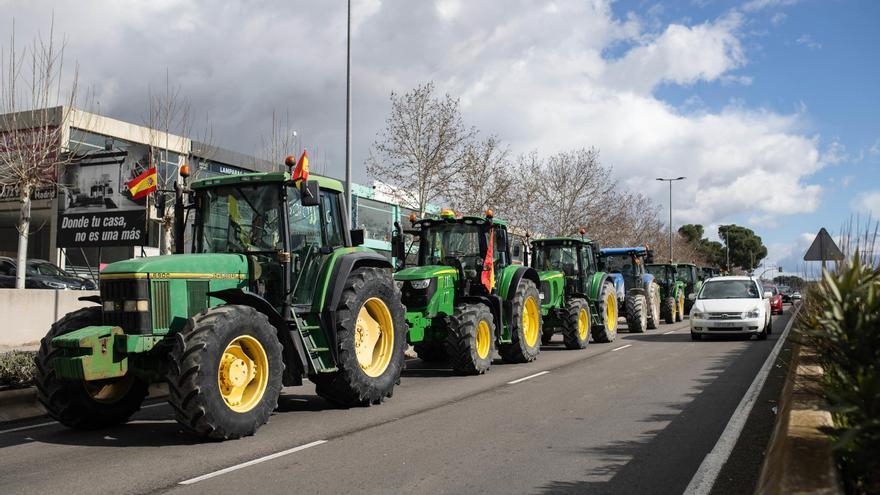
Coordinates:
[42,274]
[775,299]
[731,306]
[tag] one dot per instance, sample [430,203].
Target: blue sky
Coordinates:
[815,57]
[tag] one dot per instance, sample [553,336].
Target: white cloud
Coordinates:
[756,5]
[778,18]
[538,75]
[808,41]
[867,203]
[875,148]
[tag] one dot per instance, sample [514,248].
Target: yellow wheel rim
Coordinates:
[243,373]
[483,339]
[583,324]
[374,337]
[611,312]
[109,391]
[530,322]
[681,306]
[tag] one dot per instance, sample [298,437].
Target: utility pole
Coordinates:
[348,118]
[670,181]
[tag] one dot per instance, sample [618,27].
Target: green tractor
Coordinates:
[691,275]
[578,301]
[274,291]
[672,291]
[465,298]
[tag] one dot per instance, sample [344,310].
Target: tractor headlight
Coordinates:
[420,284]
[399,284]
[109,306]
[134,306]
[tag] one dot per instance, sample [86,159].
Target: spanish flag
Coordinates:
[301,172]
[143,184]
[488,275]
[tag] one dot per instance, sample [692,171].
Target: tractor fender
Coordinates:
[639,291]
[597,281]
[508,290]
[293,347]
[494,304]
[343,265]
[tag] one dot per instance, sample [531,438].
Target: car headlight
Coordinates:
[754,313]
[55,285]
[699,315]
[420,284]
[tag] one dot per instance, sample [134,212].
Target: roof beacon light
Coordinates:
[184,171]
[489,214]
[447,213]
[290,161]
[413,217]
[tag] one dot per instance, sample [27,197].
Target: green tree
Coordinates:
[792,281]
[746,248]
[693,233]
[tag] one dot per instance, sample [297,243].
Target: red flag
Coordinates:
[488,275]
[301,172]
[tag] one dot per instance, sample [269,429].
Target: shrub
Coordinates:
[17,369]
[842,322]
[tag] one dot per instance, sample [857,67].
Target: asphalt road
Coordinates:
[635,416]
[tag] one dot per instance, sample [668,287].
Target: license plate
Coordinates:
[727,324]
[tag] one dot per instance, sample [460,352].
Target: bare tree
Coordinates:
[484,181]
[521,209]
[36,102]
[281,140]
[422,147]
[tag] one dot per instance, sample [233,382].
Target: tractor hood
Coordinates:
[423,272]
[182,266]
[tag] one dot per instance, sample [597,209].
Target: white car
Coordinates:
[731,306]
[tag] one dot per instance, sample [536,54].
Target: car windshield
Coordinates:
[556,258]
[443,243]
[45,269]
[240,219]
[620,263]
[730,289]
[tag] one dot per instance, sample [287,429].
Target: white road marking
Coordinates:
[671,331]
[527,377]
[621,347]
[707,473]
[22,428]
[251,463]
[157,404]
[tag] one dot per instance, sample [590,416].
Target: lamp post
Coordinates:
[670,181]
[348,118]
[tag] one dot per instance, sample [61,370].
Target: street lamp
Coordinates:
[670,181]
[348,118]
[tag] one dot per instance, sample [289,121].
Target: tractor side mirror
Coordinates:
[398,248]
[517,251]
[357,237]
[310,193]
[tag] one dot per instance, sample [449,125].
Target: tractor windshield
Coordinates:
[664,273]
[240,219]
[556,258]
[452,243]
[620,263]
[685,273]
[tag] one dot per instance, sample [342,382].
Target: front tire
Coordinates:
[608,307]
[668,310]
[224,377]
[85,405]
[470,341]
[371,336]
[525,322]
[636,313]
[696,336]
[654,307]
[679,315]
[576,324]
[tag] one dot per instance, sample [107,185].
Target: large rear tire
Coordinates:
[525,323]
[653,307]
[608,308]
[636,313]
[470,341]
[371,335]
[668,310]
[77,403]
[576,324]
[225,371]
[431,352]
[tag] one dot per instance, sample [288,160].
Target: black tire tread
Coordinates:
[570,334]
[518,351]
[460,338]
[636,317]
[601,333]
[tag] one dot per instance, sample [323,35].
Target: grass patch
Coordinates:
[17,369]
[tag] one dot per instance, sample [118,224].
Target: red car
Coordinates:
[775,300]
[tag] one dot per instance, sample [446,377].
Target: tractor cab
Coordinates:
[639,291]
[664,273]
[629,262]
[574,258]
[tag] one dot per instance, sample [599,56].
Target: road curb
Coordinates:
[22,403]
[799,458]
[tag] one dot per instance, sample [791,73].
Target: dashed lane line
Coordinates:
[514,382]
[252,462]
[621,347]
